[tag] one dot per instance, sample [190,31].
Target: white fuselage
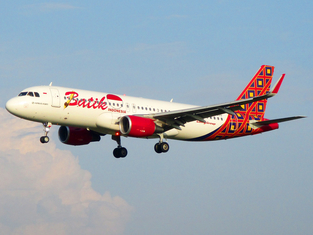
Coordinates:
[99,111]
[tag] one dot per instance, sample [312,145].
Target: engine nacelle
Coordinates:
[77,136]
[138,126]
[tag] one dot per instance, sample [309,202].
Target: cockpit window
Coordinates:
[30,93]
[23,93]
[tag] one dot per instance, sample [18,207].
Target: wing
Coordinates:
[175,119]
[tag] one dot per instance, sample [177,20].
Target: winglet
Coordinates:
[277,85]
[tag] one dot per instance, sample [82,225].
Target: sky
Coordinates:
[196,52]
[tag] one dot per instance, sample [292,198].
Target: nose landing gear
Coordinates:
[45,139]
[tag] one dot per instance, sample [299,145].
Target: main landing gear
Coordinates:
[161,147]
[119,152]
[45,139]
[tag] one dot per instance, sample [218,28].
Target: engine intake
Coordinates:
[138,126]
[77,136]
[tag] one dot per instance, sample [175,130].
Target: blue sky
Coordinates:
[197,52]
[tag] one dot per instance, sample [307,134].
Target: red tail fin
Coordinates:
[259,85]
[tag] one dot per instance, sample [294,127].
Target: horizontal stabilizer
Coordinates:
[267,122]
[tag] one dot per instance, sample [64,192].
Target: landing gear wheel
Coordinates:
[120,152]
[157,148]
[164,147]
[115,153]
[44,139]
[161,147]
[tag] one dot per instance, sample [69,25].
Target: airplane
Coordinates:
[85,116]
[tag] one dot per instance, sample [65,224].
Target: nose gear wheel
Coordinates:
[45,139]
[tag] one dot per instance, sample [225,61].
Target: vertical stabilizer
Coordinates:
[259,85]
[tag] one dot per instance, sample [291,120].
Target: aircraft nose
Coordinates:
[12,106]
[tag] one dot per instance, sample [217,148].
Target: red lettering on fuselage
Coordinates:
[207,123]
[93,103]
[117,110]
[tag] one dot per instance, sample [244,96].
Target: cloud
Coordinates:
[43,190]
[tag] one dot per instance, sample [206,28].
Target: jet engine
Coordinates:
[138,126]
[77,136]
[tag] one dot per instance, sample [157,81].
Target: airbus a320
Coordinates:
[86,116]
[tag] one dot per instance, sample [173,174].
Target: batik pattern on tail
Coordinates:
[236,126]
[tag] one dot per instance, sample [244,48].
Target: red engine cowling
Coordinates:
[138,126]
[77,136]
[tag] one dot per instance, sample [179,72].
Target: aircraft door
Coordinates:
[56,102]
